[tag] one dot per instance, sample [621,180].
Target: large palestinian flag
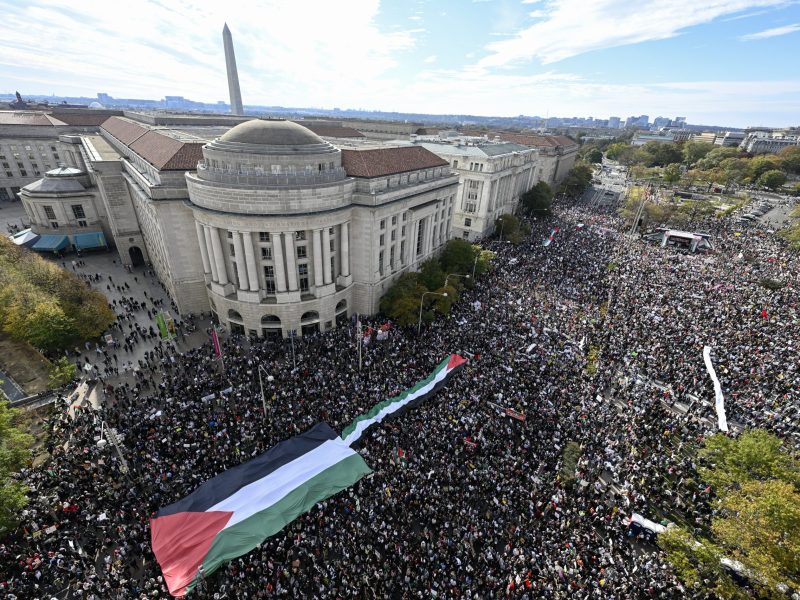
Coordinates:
[410,397]
[234,512]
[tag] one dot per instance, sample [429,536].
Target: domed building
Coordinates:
[291,240]
[273,228]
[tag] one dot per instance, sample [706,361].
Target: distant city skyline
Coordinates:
[727,62]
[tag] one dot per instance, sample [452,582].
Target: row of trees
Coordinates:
[693,162]
[402,302]
[14,455]
[44,305]
[755,482]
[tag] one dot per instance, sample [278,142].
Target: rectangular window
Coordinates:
[269,279]
[302,271]
[332,245]
[470,207]
[467,222]
[405,216]
[82,224]
[77,210]
[263,236]
[403,231]
[455,164]
[301,252]
[394,220]
[233,251]
[55,155]
[300,236]
[403,252]
[49,212]
[473,185]
[383,224]
[394,234]
[54,224]
[472,195]
[391,257]
[23,173]
[420,237]
[333,266]
[6,165]
[380,242]
[266,253]
[53,149]
[230,235]
[380,262]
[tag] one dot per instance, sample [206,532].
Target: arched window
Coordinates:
[310,317]
[341,306]
[270,321]
[234,316]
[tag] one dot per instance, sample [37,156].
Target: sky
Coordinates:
[726,62]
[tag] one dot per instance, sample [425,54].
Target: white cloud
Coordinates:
[430,59]
[287,52]
[572,27]
[768,33]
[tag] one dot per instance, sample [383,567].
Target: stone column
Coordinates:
[250,259]
[277,259]
[241,268]
[201,239]
[326,254]
[291,263]
[210,252]
[317,233]
[344,248]
[219,258]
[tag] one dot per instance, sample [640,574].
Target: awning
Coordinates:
[26,237]
[94,239]
[51,243]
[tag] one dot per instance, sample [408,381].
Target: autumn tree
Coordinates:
[772,179]
[14,455]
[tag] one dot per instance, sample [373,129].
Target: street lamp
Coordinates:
[270,379]
[475,264]
[454,275]
[422,298]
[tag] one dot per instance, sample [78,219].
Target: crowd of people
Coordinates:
[596,339]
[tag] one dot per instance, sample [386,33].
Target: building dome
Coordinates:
[261,132]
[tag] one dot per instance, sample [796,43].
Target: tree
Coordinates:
[509,227]
[694,151]
[538,199]
[44,325]
[459,256]
[716,156]
[761,164]
[401,301]
[614,151]
[431,274]
[757,522]
[672,173]
[62,372]
[14,454]
[593,156]
[577,180]
[790,159]
[772,179]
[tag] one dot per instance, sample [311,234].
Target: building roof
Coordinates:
[55,185]
[537,141]
[389,161]
[18,117]
[125,130]
[165,152]
[335,131]
[264,132]
[479,151]
[84,118]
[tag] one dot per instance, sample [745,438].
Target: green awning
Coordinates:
[51,243]
[94,239]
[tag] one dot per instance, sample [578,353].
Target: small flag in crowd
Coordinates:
[549,240]
[402,460]
[215,342]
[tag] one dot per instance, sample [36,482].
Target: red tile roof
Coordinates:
[124,130]
[389,161]
[91,118]
[334,131]
[166,153]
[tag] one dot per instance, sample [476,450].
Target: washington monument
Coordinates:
[233,74]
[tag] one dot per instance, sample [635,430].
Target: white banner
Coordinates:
[720,401]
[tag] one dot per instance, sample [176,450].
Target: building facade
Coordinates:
[29,144]
[761,142]
[274,229]
[492,177]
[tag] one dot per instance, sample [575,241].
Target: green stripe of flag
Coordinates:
[241,538]
[375,410]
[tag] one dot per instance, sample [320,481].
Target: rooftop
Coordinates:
[379,162]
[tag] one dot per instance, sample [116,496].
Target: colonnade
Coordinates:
[284,257]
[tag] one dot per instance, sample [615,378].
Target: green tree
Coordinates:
[761,164]
[790,159]
[62,372]
[44,325]
[694,151]
[593,156]
[716,156]
[614,151]
[15,453]
[538,199]
[510,228]
[431,274]
[401,301]
[772,179]
[672,173]
[577,180]
[757,523]
[459,256]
